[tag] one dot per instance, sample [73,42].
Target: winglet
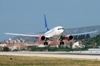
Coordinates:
[46,26]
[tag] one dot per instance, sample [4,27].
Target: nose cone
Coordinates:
[62,31]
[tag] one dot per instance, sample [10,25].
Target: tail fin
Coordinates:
[46,26]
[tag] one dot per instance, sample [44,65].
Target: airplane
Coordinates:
[56,33]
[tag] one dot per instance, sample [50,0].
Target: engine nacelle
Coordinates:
[43,38]
[69,37]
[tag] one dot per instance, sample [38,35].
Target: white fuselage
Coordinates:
[55,33]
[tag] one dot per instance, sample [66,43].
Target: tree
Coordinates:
[6,49]
[87,36]
[71,44]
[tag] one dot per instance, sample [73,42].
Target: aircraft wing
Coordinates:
[84,33]
[27,35]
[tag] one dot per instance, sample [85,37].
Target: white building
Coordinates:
[78,44]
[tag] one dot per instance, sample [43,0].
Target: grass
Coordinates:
[44,61]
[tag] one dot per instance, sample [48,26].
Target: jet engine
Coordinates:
[42,38]
[69,37]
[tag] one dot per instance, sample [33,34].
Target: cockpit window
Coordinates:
[60,28]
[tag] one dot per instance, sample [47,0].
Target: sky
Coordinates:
[27,16]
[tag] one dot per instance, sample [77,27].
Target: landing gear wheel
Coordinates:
[61,44]
[45,43]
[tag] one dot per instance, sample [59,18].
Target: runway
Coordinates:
[79,55]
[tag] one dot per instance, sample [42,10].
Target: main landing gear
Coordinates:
[61,44]
[61,41]
[45,43]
